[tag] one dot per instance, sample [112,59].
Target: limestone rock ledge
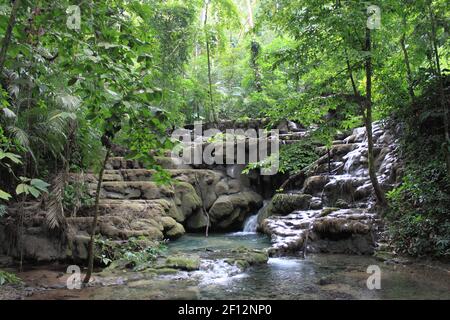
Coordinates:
[132,205]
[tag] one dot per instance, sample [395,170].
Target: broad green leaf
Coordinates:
[40,184]
[34,192]
[11,156]
[4,195]
[22,188]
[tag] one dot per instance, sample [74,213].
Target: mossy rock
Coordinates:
[384,255]
[241,264]
[284,204]
[341,203]
[326,211]
[161,271]
[182,263]
[175,232]
[244,258]
[116,266]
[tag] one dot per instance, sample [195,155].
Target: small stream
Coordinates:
[316,277]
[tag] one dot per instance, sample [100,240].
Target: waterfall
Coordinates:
[251,224]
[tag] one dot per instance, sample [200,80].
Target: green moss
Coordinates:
[283,204]
[244,258]
[326,211]
[242,264]
[159,271]
[383,255]
[182,263]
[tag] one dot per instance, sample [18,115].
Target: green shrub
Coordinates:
[134,253]
[76,195]
[292,157]
[8,278]
[297,156]
[418,220]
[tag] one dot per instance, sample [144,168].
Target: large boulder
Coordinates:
[283,204]
[186,199]
[172,229]
[330,230]
[197,222]
[231,210]
[315,184]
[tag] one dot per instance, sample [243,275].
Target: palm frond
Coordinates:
[55,217]
[20,136]
[68,102]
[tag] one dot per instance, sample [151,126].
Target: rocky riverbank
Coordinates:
[334,210]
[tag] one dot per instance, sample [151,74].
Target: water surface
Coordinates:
[316,277]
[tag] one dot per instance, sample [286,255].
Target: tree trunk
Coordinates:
[7,38]
[368,119]
[435,50]
[94,222]
[355,89]
[212,115]
[408,68]
[21,231]
[255,50]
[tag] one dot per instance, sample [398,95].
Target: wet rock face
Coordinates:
[283,204]
[132,205]
[339,216]
[227,200]
[233,209]
[341,231]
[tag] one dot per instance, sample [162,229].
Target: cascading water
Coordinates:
[341,199]
[251,224]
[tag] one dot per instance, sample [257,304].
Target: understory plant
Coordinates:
[76,195]
[136,253]
[297,156]
[419,214]
[8,278]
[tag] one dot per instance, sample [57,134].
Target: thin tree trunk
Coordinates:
[352,79]
[212,115]
[329,161]
[21,231]
[255,48]
[355,89]
[368,119]
[408,68]
[446,126]
[7,38]
[94,222]
[441,89]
